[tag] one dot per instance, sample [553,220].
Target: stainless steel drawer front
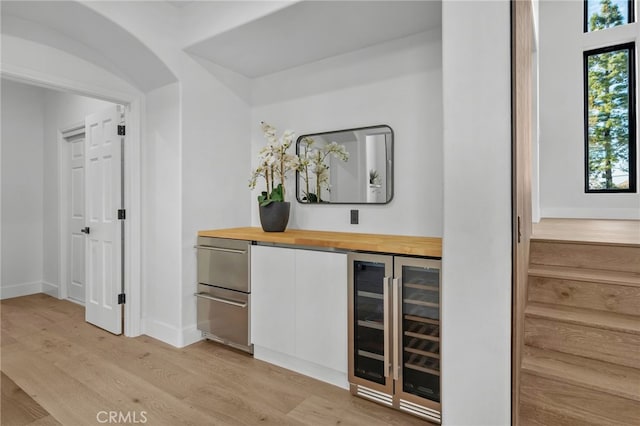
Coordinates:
[224,314]
[224,263]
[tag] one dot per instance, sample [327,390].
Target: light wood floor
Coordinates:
[619,232]
[18,408]
[65,371]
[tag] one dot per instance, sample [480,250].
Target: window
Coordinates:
[609,119]
[601,14]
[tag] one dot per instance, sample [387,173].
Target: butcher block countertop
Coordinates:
[397,244]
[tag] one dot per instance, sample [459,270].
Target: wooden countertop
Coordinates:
[397,244]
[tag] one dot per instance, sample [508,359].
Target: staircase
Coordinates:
[581,355]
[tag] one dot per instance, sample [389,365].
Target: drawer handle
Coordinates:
[226,250]
[215,299]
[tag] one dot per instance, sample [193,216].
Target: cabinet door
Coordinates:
[273,298]
[321,308]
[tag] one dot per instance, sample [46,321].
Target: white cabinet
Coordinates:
[273,298]
[321,308]
[299,310]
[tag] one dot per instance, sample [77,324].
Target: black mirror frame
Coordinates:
[390,187]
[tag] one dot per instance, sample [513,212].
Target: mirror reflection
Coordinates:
[353,166]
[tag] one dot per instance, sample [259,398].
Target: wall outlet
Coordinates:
[354,217]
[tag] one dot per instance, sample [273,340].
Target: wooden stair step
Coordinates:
[608,257]
[591,342]
[586,317]
[584,274]
[558,403]
[550,287]
[599,231]
[589,373]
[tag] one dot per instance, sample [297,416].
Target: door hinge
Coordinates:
[121,299]
[121,130]
[122,214]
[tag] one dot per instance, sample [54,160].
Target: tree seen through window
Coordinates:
[610,110]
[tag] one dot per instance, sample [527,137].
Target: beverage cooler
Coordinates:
[394,332]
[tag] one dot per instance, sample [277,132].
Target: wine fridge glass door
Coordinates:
[420,327]
[369,321]
[370,330]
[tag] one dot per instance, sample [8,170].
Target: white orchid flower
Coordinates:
[274,161]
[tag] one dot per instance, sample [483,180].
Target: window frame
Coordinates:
[631,47]
[631,18]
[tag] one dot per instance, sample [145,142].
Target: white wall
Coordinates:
[161,213]
[215,164]
[22,189]
[61,110]
[396,83]
[476,292]
[562,42]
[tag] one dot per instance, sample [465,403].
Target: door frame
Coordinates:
[522,127]
[134,104]
[64,146]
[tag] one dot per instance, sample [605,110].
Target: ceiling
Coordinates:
[309,31]
[72,27]
[296,33]
[180,3]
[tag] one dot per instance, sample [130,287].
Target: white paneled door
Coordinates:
[103,198]
[76,219]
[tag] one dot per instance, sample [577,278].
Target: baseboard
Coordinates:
[190,335]
[301,366]
[591,213]
[169,334]
[50,289]
[162,331]
[22,289]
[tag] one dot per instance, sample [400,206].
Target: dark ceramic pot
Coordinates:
[275,216]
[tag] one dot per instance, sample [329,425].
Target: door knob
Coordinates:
[85,230]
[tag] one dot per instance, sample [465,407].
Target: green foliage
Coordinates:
[310,198]
[277,195]
[608,107]
[609,16]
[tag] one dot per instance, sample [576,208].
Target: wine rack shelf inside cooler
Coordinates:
[421,303]
[420,355]
[422,330]
[371,355]
[420,366]
[421,352]
[420,297]
[371,324]
[420,286]
[377,296]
